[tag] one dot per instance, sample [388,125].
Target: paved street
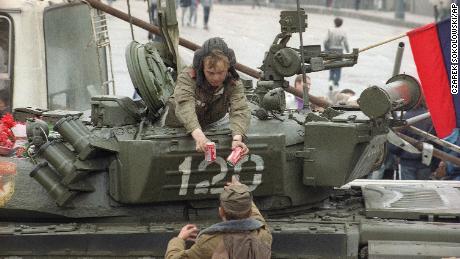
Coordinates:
[251,31]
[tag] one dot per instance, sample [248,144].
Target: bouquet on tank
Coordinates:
[7,138]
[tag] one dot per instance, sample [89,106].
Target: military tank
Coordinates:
[121,184]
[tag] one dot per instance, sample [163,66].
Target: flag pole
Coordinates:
[383,42]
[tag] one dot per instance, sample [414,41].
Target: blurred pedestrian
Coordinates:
[336,41]
[207,5]
[185,6]
[153,17]
[193,12]
[441,9]
[444,9]
[378,4]
[357,4]
[436,13]
[254,3]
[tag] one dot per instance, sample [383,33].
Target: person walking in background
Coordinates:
[436,13]
[207,4]
[357,4]
[153,12]
[153,17]
[193,12]
[185,5]
[336,41]
[255,3]
[441,9]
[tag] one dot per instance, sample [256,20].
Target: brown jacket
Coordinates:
[206,244]
[196,107]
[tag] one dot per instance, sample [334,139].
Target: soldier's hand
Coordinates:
[200,144]
[238,143]
[200,140]
[188,232]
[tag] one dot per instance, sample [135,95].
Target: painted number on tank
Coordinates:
[208,186]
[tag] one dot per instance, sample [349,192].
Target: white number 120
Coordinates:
[205,187]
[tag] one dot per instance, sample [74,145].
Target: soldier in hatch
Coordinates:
[206,92]
[243,232]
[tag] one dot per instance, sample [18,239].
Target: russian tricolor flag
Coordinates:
[431,50]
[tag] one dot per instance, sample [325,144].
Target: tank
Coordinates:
[120,184]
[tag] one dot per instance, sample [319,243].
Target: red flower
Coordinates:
[7,137]
[8,120]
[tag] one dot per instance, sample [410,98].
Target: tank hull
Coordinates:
[338,230]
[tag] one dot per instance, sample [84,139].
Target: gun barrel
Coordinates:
[398,58]
[341,63]
[401,92]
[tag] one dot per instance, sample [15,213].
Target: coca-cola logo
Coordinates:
[7,174]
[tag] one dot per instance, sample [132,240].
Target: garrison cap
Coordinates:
[236,199]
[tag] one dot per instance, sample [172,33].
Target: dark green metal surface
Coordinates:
[349,152]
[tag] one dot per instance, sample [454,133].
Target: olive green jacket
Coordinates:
[206,244]
[196,107]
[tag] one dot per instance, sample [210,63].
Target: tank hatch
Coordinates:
[412,202]
[149,75]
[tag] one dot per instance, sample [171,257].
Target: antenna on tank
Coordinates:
[306,103]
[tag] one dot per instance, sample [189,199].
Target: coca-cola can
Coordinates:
[210,152]
[235,156]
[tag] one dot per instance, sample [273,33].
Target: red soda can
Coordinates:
[210,152]
[235,156]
